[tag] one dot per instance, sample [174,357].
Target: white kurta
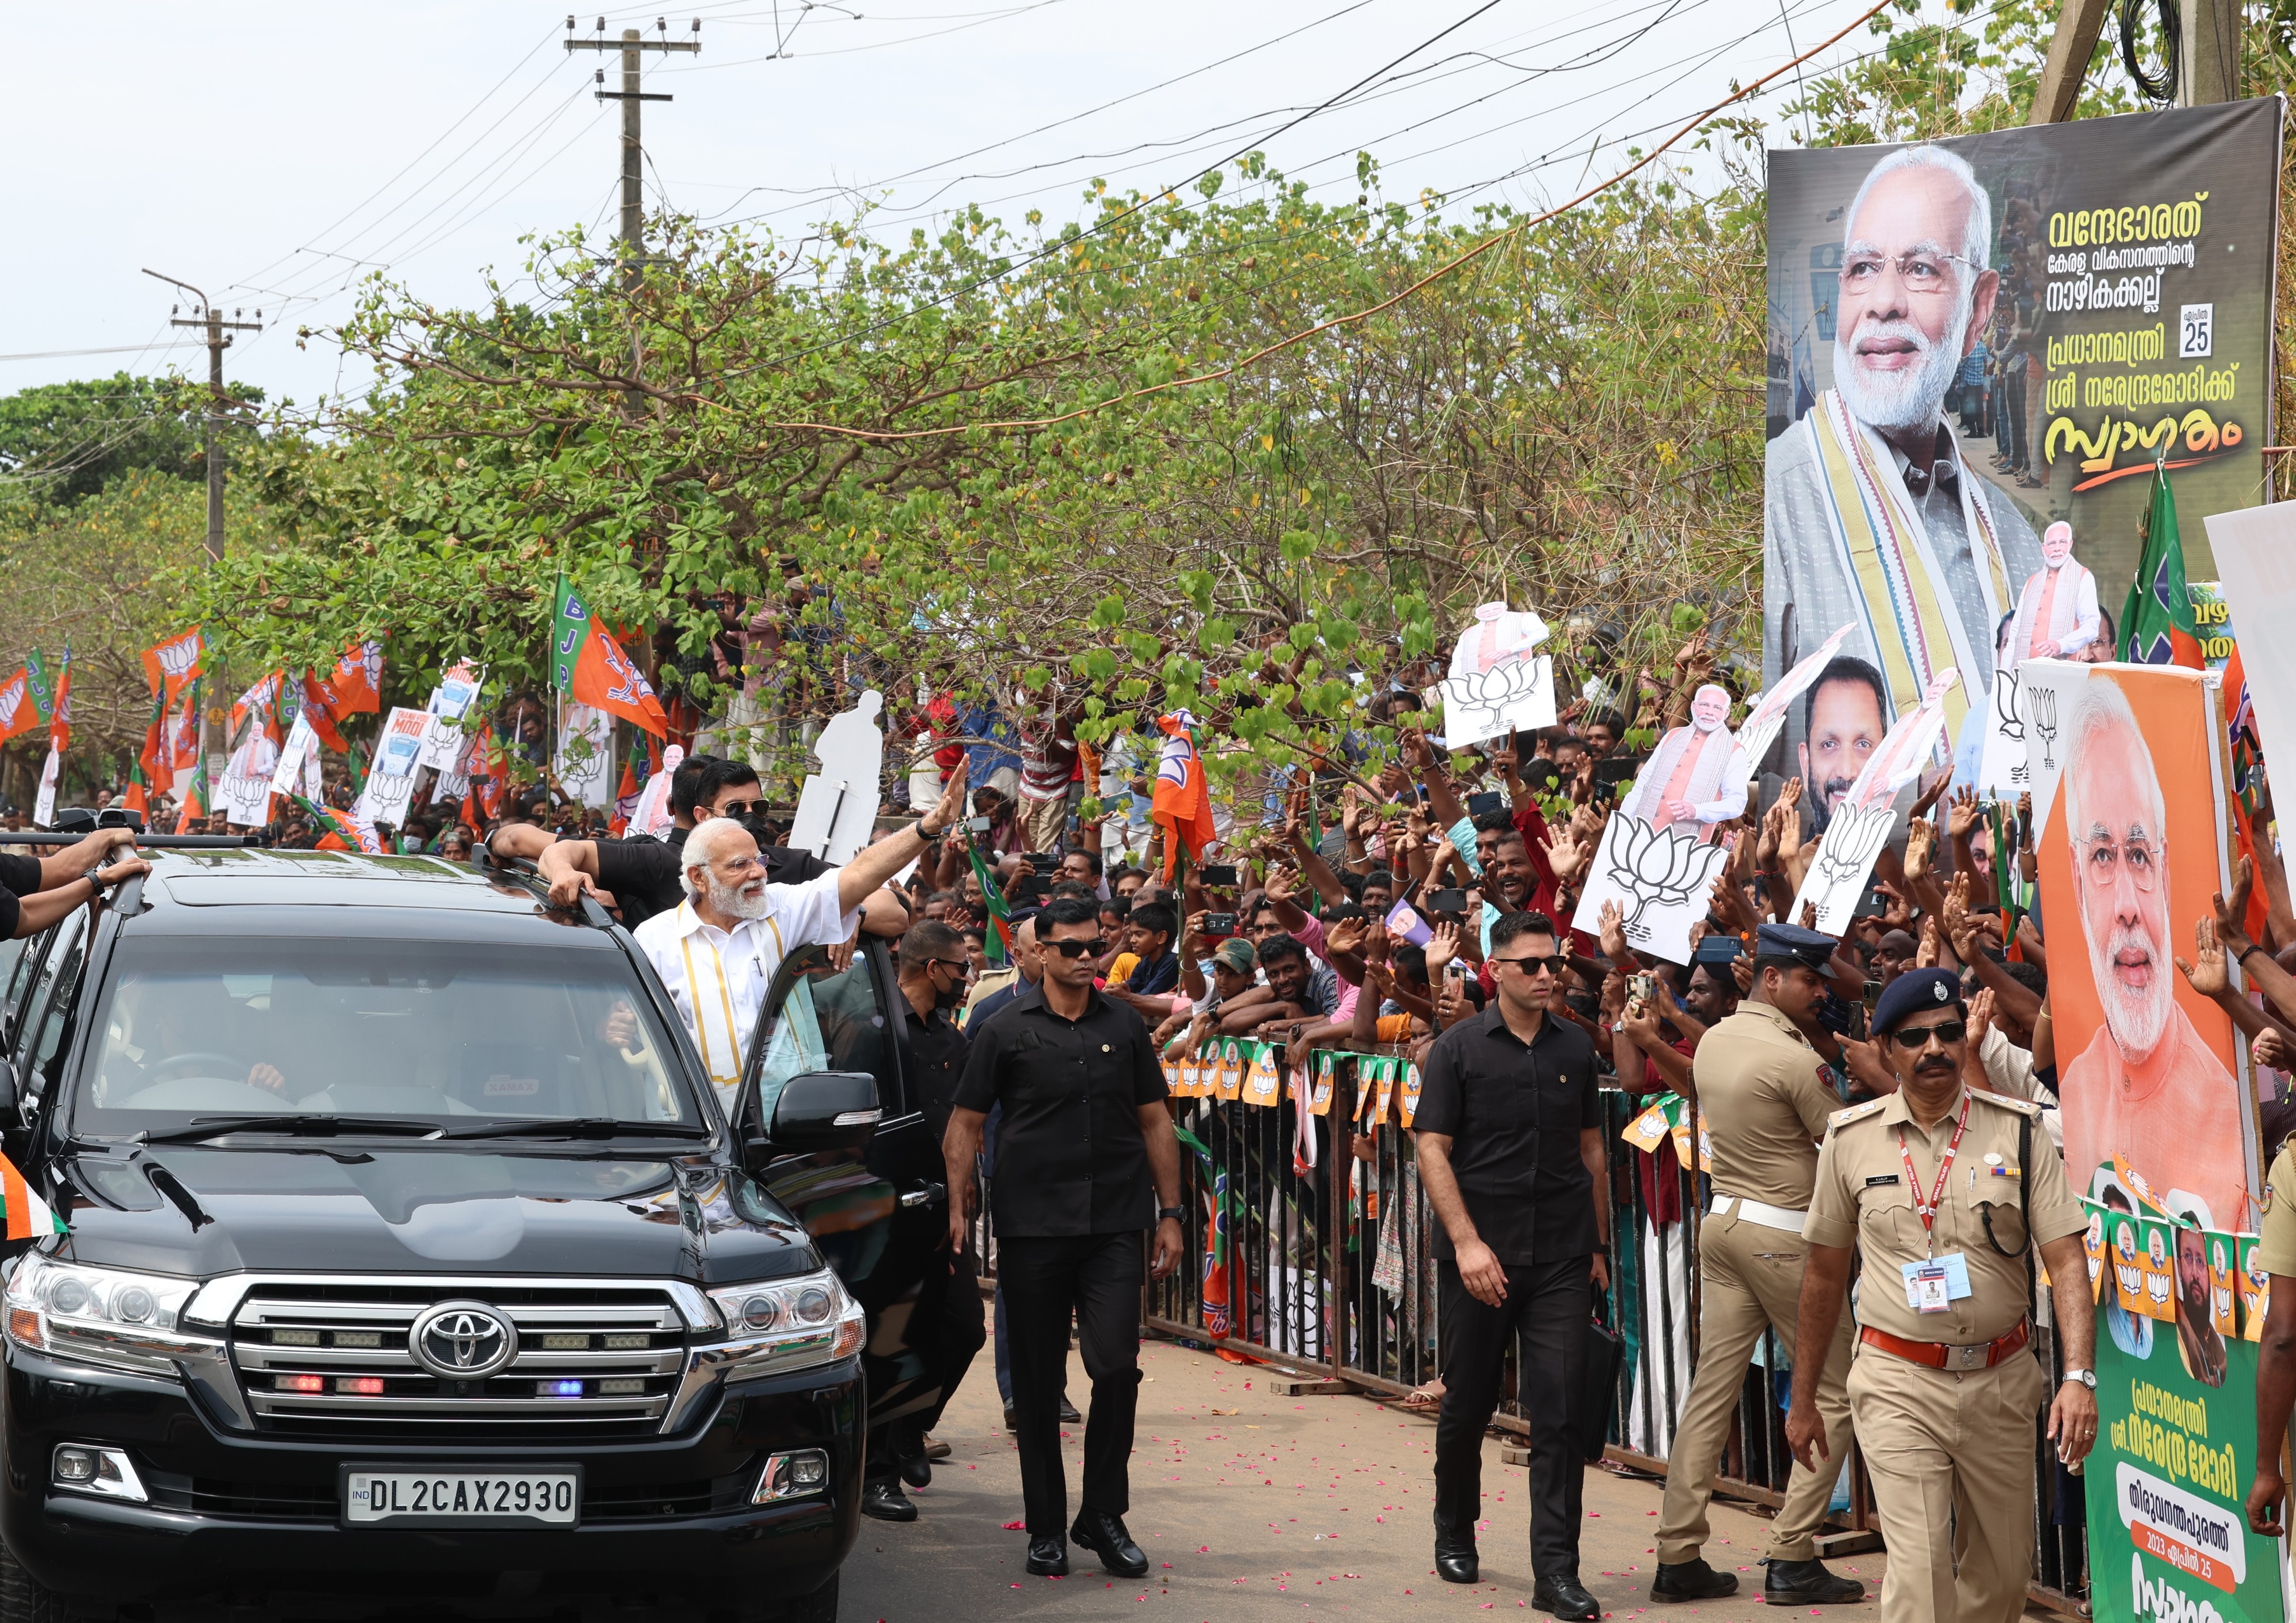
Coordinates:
[2074,622]
[718,979]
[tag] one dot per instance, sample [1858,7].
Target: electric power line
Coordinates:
[1289,341]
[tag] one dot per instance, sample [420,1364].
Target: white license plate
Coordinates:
[469,1498]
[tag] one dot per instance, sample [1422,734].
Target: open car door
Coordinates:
[868,1205]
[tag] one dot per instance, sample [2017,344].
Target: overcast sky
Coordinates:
[272,153]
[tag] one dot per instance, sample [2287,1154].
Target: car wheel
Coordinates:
[23,1598]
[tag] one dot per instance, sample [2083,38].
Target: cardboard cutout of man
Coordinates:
[2146,1088]
[1873,472]
[1697,773]
[2057,615]
[1843,723]
[1499,635]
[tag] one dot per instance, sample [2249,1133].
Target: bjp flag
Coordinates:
[18,713]
[588,666]
[322,702]
[357,679]
[170,664]
[1182,802]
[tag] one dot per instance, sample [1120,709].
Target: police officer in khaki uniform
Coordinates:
[1946,1189]
[1765,1102]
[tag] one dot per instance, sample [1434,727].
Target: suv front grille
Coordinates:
[337,1357]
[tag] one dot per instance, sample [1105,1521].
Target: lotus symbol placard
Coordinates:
[1837,878]
[1483,704]
[2012,722]
[2045,723]
[1656,867]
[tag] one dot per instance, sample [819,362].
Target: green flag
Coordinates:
[2009,887]
[999,946]
[2157,626]
[39,689]
[569,628]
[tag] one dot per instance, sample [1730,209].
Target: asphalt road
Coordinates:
[1253,1506]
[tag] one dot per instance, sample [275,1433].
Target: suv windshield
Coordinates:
[237,1027]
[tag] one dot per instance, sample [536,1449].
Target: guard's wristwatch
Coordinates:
[1173,1212]
[2087,1377]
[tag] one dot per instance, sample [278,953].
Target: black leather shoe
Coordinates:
[1068,1415]
[1104,1536]
[1457,1566]
[1564,1598]
[1011,1418]
[1691,1580]
[1454,1548]
[1808,1582]
[883,1499]
[1048,1558]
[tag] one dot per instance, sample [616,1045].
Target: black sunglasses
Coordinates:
[1530,966]
[955,966]
[1078,949]
[742,808]
[1918,1037]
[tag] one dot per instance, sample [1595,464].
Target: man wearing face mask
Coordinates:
[934,970]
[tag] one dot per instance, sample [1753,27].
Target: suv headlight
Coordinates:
[787,1323]
[102,1316]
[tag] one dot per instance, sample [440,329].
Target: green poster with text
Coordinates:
[2176,1394]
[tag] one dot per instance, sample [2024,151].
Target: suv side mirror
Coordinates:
[825,1109]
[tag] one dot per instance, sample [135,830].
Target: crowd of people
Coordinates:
[1422,906]
[1020,931]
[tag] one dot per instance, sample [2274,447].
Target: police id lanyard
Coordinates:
[1933,1284]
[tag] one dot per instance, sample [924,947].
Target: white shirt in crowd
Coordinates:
[718,978]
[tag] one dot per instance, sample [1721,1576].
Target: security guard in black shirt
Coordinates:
[933,971]
[1085,1154]
[1510,1141]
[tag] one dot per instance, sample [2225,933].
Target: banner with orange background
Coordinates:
[2130,790]
[2130,773]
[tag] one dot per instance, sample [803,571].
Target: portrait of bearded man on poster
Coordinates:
[1871,512]
[2147,1088]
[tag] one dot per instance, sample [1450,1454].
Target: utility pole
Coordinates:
[2078,26]
[2209,56]
[206,317]
[632,46]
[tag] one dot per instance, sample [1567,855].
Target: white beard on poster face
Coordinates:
[1906,399]
[2137,1018]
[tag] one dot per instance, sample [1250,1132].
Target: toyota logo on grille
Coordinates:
[461,1340]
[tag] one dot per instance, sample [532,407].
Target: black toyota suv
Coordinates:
[409,1257]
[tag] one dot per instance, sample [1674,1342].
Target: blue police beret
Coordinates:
[1793,941]
[1912,992]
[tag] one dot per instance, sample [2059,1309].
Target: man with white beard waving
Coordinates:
[718,953]
[1871,515]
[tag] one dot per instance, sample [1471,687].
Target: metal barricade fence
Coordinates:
[1310,1250]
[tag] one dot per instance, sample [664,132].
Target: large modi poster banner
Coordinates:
[1977,349]
[2129,769]
[2129,797]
